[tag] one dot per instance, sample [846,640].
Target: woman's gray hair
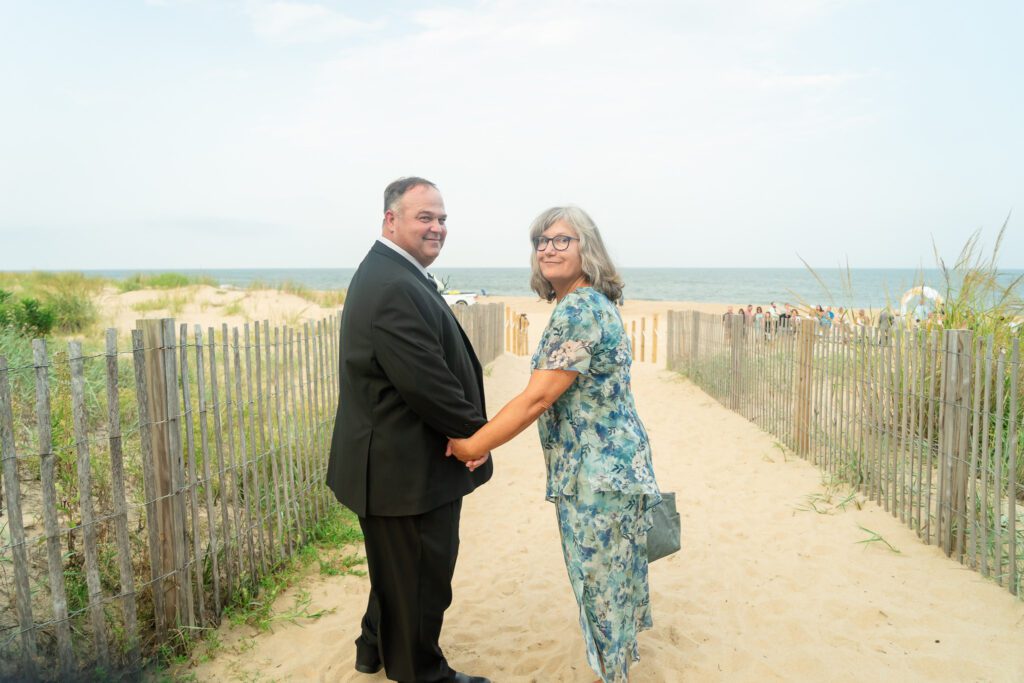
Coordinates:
[597,265]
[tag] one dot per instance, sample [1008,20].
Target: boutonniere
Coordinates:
[437,283]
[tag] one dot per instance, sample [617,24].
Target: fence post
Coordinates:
[654,340]
[804,385]
[643,339]
[22,590]
[670,340]
[736,336]
[694,350]
[165,523]
[953,438]
[1013,580]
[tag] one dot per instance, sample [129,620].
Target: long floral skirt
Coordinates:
[604,540]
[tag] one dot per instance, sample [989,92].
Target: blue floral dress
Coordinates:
[600,477]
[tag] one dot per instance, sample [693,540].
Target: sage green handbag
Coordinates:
[663,537]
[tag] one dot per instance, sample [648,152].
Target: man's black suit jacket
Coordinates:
[409,380]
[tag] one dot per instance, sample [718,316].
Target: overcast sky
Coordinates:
[697,133]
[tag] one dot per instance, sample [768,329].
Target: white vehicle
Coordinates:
[454,297]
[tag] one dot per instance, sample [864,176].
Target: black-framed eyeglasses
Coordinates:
[560,242]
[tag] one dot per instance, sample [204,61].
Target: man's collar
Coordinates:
[406,255]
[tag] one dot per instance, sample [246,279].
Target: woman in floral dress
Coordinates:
[599,472]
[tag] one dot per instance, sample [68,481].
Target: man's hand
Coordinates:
[473,464]
[463,450]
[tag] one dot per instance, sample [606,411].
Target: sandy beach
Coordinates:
[765,589]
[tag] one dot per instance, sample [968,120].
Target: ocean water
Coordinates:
[871,287]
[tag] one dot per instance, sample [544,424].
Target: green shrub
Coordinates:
[6,314]
[26,315]
[33,318]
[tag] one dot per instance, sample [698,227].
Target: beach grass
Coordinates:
[172,304]
[169,280]
[975,297]
[235,308]
[331,298]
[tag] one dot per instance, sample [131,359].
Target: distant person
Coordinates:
[784,319]
[772,315]
[886,320]
[824,322]
[599,471]
[727,323]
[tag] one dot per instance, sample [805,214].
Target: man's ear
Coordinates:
[389,220]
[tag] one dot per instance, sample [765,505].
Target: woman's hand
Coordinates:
[463,450]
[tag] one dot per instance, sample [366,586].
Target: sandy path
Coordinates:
[762,591]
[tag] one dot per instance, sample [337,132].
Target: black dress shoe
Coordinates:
[466,678]
[367,662]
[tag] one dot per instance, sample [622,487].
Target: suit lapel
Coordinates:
[384,251]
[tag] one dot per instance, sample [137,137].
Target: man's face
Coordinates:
[418,223]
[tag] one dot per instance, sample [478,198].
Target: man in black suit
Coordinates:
[409,380]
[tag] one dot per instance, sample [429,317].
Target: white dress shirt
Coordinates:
[406,255]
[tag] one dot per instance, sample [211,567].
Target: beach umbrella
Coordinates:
[920,294]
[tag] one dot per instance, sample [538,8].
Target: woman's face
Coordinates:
[560,266]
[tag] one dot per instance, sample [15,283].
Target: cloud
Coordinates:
[302,22]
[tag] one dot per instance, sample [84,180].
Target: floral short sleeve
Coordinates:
[593,429]
[570,340]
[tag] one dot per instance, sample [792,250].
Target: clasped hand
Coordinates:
[460,449]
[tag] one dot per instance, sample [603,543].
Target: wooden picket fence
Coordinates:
[484,326]
[644,344]
[517,332]
[144,488]
[640,344]
[925,422]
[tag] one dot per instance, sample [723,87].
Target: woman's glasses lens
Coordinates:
[561,242]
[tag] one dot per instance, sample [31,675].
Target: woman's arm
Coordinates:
[544,388]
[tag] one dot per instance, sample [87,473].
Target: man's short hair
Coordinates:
[393,192]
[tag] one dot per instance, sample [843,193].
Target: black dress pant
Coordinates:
[411,561]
